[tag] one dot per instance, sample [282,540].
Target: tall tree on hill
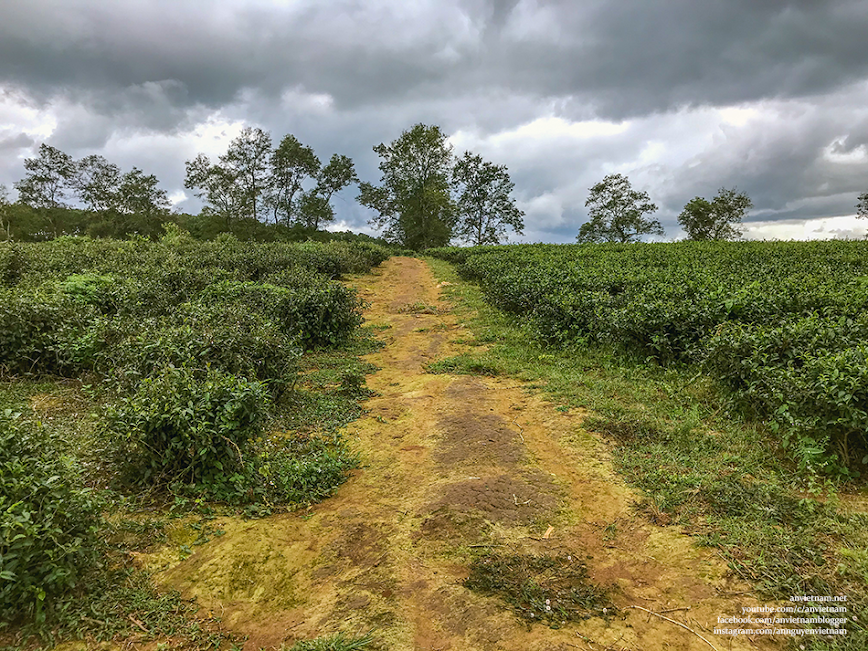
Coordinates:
[48,178]
[247,157]
[138,194]
[96,183]
[485,207]
[617,212]
[314,208]
[216,186]
[291,164]
[46,185]
[862,206]
[234,186]
[413,202]
[5,222]
[718,219]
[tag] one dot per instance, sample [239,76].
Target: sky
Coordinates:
[682,96]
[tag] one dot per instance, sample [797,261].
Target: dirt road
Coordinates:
[454,465]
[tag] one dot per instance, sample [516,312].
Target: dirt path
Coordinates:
[454,462]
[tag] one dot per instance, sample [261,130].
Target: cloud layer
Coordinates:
[684,97]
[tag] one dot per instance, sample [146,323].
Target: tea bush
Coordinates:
[224,336]
[778,324]
[179,428]
[48,522]
[33,323]
[317,311]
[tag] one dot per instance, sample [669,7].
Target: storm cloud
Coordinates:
[684,97]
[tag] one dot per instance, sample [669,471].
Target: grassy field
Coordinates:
[676,430]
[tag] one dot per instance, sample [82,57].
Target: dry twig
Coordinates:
[677,623]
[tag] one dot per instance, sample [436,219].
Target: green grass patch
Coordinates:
[550,589]
[337,642]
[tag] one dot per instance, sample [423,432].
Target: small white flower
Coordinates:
[548,601]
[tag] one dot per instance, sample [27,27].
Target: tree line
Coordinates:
[427,196]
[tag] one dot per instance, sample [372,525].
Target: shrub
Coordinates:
[225,337]
[48,522]
[301,470]
[32,322]
[179,429]
[317,311]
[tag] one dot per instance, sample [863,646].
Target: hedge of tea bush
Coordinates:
[48,522]
[195,339]
[780,325]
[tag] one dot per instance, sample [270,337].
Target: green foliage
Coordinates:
[35,326]
[809,376]
[48,523]
[413,201]
[227,337]
[717,219]
[616,212]
[301,470]
[13,264]
[485,207]
[779,325]
[180,428]
[317,311]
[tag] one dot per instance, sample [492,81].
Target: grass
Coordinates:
[338,642]
[698,464]
[551,589]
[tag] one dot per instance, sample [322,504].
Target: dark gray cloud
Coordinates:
[683,96]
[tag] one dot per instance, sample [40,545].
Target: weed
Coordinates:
[553,589]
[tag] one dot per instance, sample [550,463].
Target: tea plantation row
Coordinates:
[781,326]
[186,348]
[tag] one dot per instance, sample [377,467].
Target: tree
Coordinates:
[862,206]
[484,205]
[234,186]
[217,186]
[48,178]
[291,164]
[96,183]
[718,219]
[247,158]
[314,207]
[5,214]
[617,212]
[138,194]
[413,201]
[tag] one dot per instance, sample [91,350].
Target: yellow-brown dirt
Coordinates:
[452,462]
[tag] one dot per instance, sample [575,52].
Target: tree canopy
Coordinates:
[413,201]
[617,212]
[485,207]
[718,219]
[48,178]
[862,206]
